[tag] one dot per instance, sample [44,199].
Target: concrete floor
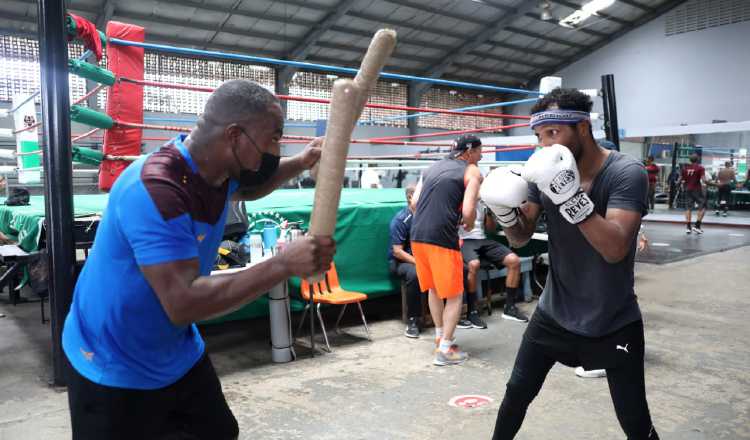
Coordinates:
[662,214]
[669,242]
[697,372]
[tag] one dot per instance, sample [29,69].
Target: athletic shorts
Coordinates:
[484,249]
[573,350]
[193,407]
[696,197]
[725,192]
[439,268]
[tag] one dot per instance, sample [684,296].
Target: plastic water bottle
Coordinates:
[281,241]
[269,239]
[256,248]
[245,244]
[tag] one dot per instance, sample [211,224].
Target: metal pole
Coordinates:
[672,182]
[611,127]
[58,171]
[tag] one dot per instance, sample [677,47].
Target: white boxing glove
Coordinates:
[553,169]
[503,191]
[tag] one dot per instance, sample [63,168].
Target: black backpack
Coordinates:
[237,222]
[18,197]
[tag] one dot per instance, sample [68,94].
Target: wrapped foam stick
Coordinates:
[333,158]
[380,49]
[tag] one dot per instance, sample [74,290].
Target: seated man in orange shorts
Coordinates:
[446,201]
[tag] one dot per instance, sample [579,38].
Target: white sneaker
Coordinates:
[590,374]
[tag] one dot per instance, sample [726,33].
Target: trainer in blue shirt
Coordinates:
[139,363]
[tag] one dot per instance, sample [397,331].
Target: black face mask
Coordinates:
[269,163]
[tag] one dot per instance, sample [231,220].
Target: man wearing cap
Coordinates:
[446,200]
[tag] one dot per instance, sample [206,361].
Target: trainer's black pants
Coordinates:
[408,273]
[192,408]
[651,195]
[725,194]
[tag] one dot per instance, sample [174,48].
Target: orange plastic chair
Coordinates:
[332,293]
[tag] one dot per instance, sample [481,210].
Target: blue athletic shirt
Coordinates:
[159,210]
[400,228]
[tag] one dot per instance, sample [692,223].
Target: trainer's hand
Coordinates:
[308,256]
[311,154]
[553,169]
[503,191]
[642,243]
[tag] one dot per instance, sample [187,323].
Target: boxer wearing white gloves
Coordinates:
[588,314]
[554,171]
[504,191]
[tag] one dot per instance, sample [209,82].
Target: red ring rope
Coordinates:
[30,127]
[427,155]
[328,101]
[449,133]
[152,127]
[84,135]
[93,92]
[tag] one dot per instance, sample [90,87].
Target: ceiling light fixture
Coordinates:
[586,11]
[595,6]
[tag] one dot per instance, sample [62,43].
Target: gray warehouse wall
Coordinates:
[689,78]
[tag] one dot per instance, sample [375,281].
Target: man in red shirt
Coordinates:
[694,176]
[653,173]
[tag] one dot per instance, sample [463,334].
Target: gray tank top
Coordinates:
[439,206]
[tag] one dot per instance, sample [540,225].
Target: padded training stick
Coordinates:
[380,49]
[347,101]
[333,157]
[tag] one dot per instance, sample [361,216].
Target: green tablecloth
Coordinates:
[362,233]
[24,223]
[362,238]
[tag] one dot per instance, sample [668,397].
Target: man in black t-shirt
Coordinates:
[588,314]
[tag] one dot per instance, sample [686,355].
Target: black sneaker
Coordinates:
[464,323]
[476,321]
[512,313]
[697,229]
[412,328]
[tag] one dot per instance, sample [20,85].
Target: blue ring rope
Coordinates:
[314,66]
[473,107]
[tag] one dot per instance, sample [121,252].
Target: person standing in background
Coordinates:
[653,174]
[725,178]
[446,200]
[694,177]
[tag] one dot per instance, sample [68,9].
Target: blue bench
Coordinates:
[489,272]
[486,273]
